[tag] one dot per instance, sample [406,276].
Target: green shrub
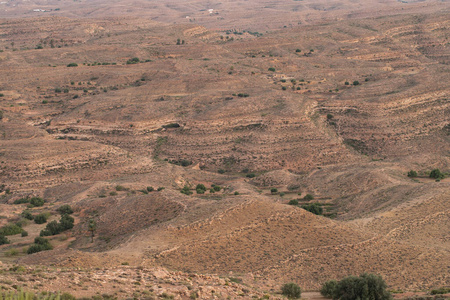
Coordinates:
[436,174]
[24,233]
[273,190]
[221,171]
[329,288]
[308,197]
[120,188]
[291,290]
[41,218]
[160,188]
[272,69]
[40,244]
[186,190]
[315,208]
[200,186]
[412,174]
[72,65]
[440,291]
[150,189]
[356,82]
[10,229]
[133,60]
[298,50]
[236,193]
[65,209]
[21,201]
[251,175]
[293,202]
[3,240]
[217,188]
[366,286]
[37,201]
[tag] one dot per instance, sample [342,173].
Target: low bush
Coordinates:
[41,218]
[37,201]
[10,229]
[40,244]
[186,190]
[291,290]
[436,174]
[366,286]
[293,202]
[308,197]
[315,208]
[65,209]
[440,291]
[412,174]
[3,240]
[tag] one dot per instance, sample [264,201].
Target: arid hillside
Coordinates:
[184,140]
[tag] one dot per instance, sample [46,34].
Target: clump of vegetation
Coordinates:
[54,228]
[181,162]
[121,188]
[65,209]
[10,229]
[291,290]
[308,197]
[315,208]
[273,191]
[40,244]
[412,174]
[186,190]
[22,295]
[72,65]
[251,175]
[243,95]
[27,215]
[366,286]
[272,69]
[356,82]
[133,60]
[150,189]
[200,188]
[33,202]
[293,202]
[3,240]
[437,174]
[41,218]
[440,291]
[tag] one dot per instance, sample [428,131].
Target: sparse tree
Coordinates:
[92,227]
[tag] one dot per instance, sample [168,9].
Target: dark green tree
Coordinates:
[291,290]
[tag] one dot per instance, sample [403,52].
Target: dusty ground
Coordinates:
[96,135]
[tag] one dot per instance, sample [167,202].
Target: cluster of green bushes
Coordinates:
[65,223]
[291,290]
[435,173]
[11,229]
[215,188]
[21,295]
[181,162]
[186,190]
[33,201]
[440,291]
[40,244]
[366,286]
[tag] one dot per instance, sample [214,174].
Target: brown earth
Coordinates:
[95,136]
